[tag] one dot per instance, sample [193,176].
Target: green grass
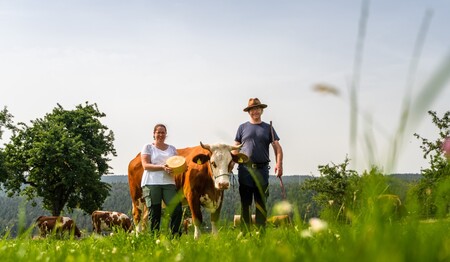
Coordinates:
[406,240]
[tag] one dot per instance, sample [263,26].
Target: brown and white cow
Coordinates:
[57,225]
[206,177]
[109,220]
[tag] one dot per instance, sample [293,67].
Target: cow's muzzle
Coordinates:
[224,184]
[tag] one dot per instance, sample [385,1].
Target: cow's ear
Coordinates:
[240,158]
[200,159]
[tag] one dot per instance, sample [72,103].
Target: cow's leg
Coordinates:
[197,225]
[216,215]
[43,229]
[97,226]
[197,218]
[137,217]
[214,221]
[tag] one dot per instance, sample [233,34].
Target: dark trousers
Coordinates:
[154,195]
[248,194]
[175,219]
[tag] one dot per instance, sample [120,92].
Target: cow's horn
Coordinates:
[205,146]
[237,147]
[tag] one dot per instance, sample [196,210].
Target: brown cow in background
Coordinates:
[108,220]
[57,225]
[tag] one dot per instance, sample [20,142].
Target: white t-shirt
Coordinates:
[157,157]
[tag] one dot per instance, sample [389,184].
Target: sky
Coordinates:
[193,65]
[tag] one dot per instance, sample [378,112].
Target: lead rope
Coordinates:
[283,191]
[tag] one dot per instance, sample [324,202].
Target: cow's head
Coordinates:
[221,162]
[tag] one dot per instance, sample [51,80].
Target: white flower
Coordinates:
[158,241]
[282,208]
[317,225]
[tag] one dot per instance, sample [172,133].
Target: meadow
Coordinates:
[373,240]
[367,232]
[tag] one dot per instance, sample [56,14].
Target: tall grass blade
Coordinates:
[410,79]
[354,86]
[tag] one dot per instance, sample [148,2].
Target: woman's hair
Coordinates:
[159,125]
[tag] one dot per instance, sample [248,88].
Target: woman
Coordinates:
[157,182]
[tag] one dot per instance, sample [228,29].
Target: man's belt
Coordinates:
[257,165]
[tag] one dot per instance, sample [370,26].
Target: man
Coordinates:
[256,136]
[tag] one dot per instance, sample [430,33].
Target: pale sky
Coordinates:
[193,65]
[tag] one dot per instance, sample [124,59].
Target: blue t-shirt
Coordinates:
[256,139]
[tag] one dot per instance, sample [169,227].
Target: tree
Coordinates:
[5,122]
[433,190]
[334,190]
[61,159]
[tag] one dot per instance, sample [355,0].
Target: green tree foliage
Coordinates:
[61,159]
[334,190]
[5,122]
[433,190]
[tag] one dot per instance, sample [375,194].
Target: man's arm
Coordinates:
[279,158]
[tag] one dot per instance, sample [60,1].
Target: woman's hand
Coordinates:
[167,169]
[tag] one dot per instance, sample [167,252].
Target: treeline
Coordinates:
[17,215]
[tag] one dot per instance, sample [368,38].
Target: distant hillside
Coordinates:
[286,179]
[114,179]
[272,179]
[408,177]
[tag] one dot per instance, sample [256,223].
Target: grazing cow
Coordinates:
[57,224]
[206,177]
[108,220]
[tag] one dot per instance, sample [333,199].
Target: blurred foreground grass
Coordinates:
[407,240]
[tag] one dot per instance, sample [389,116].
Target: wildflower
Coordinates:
[317,225]
[158,241]
[283,207]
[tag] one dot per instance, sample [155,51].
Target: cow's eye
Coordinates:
[214,164]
